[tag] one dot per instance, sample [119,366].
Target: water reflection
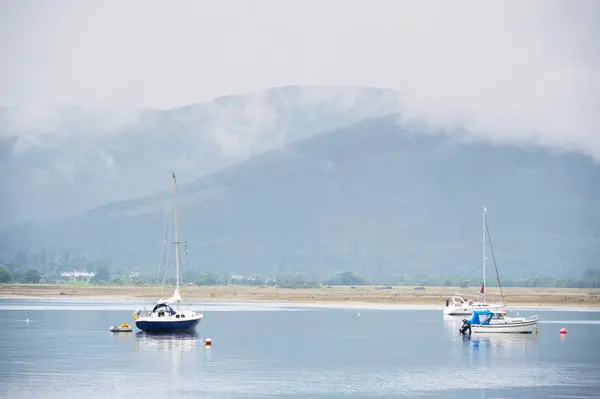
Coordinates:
[563,337]
[185,342]
[180,347]
[501,340]
[121,337]
[501,346]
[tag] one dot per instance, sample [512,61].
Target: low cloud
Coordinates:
[524,72]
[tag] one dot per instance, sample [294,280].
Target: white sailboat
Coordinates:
[496,320]
[486,321]
[456,305]
[163,318]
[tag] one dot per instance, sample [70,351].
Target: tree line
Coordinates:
[590,279]
[29,276]
[36,267]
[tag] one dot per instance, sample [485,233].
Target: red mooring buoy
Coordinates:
[563,330]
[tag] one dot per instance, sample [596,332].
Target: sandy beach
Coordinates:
[542,297]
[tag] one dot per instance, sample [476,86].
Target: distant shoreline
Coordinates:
[399,295]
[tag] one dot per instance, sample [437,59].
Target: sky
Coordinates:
[515,70]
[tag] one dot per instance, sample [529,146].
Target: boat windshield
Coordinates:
[163,307]
[481,317]
[458,300]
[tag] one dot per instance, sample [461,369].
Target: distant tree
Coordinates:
[101,275]
[447,283]
[397,280]
[591,273]
[258,280]
[464,284]
[4,274]
[189,277]
[170,281]
[17,276]
[346,278]
[594,276]
[207,279]
[32,276]
[21,259]
[97,265]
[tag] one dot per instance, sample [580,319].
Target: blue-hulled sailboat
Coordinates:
[164,318]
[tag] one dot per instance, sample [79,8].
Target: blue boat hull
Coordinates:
[167,326]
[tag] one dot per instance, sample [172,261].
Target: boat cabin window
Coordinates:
[177,316]
[161,313]
[182,316]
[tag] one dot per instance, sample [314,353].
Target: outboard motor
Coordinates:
[465,328]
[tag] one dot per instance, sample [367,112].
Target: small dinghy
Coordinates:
[122,328]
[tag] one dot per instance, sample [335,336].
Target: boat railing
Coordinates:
[532,318]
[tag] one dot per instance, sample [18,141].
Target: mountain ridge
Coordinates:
[75,159]
[372,197]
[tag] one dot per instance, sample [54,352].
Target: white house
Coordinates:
[76,275]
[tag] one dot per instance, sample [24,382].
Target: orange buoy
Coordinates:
[208,342]
[563,330]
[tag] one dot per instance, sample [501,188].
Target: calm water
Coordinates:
[66,351]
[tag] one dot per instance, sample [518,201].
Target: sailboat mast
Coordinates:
[484,288]
[176,223]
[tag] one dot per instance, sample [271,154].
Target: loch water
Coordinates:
[63,349]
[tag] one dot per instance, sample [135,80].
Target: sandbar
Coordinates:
[401,295]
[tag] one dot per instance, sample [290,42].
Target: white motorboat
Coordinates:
[456,305]
[486,321]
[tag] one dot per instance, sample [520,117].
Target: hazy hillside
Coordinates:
[373,197]
[55,161]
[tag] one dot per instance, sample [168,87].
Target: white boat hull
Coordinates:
[120,329]
[527,326]
[468,310]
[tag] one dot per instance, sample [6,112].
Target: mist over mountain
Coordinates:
[56,161]
[376,197]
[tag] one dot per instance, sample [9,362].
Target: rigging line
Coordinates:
[168,233]
[494,259]
[177,226]
[167,257]
[186,265]
[161,243]
[168,239]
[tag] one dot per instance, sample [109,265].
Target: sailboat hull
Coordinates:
[517,327]
[151,326]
